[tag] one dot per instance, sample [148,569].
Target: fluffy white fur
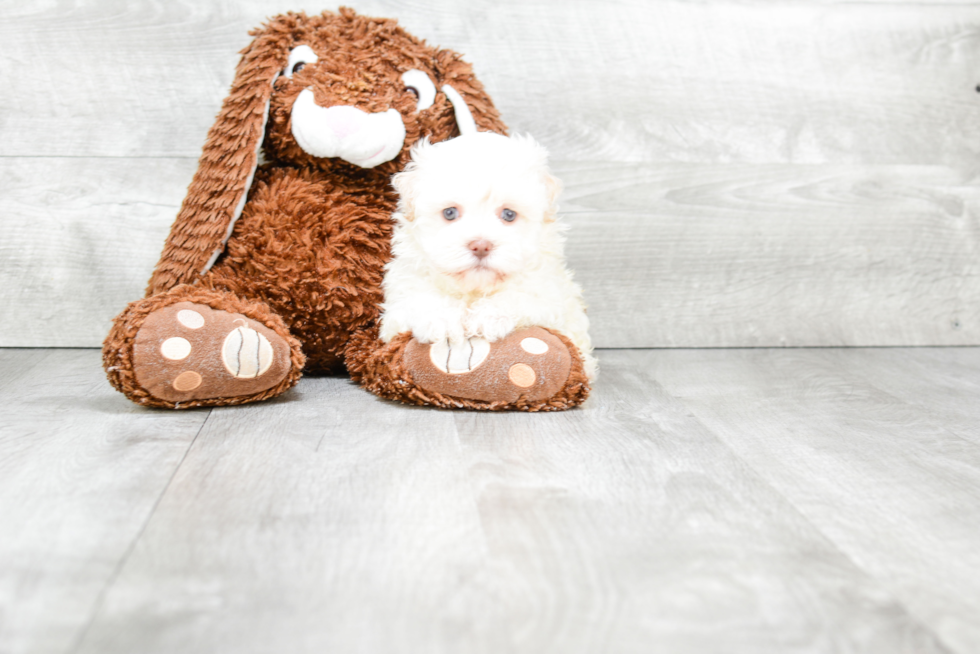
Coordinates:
[437,288]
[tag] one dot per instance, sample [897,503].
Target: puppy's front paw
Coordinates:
[438,326]
[489,322]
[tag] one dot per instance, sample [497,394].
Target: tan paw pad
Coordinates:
[533,345]
[187,381]
[459,358]
[190,319]
[175,349]
[246,353]
[522,375]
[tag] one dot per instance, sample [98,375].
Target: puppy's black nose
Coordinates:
[480,247]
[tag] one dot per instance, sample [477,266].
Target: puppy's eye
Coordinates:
[450,213]
[508,215]
[414,91]
[299,57]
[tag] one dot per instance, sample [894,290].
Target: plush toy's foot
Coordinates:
[532,369]
[188,351]
[531,364]
[178,354]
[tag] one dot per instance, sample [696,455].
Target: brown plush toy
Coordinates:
[273,269]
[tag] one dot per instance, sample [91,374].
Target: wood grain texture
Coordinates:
[629,527]
[80,473]
[669,255]
[777,255]
[328,520]
[941,383]
[81,237]
[801,82]
[702,500]
[738,173]
[885,474]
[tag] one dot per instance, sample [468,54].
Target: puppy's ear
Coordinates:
[406,182]
[217,193]
[537,157]
[553,187]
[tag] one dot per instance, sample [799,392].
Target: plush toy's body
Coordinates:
[275,268]
[311,245]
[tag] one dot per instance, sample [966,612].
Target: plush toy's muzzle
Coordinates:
[365,138]
[361,138]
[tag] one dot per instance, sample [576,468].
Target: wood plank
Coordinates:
[81,237]
[719,82]
[713,254]
[17,364]
[727,256]
[629,527]
[801,82]
[881,476]
[687,255]
[81,469]
[943,384]
[323,521]
[332,521]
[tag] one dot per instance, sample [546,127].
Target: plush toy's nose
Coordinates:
[480,247]
[344,121]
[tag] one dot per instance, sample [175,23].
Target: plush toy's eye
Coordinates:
[299,57]
[450,213]
[508,215]
[419,84]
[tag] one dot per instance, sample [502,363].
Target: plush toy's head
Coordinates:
[347,91]
[336,92]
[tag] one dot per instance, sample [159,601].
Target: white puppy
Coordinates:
[477,247]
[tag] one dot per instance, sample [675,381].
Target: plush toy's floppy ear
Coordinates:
[217,193]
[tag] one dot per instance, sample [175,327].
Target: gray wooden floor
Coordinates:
[755,500]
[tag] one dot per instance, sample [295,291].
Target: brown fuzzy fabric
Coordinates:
[367,57]
[307,255]
[380,369]
[313,246]
[117,350]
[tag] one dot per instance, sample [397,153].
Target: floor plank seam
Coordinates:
[474,499]
[926,411]
[110,582]
[830,542]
